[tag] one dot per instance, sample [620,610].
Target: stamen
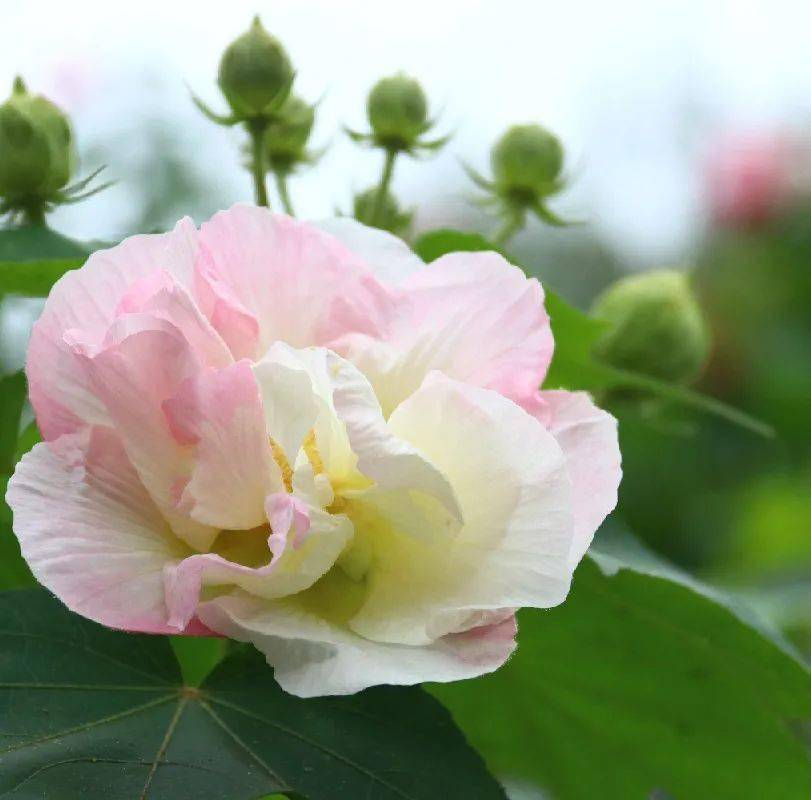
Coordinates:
[311,449]
[284,465]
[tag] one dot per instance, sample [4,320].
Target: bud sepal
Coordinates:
[397,112]
[383,212]
[527,166]
[37,157]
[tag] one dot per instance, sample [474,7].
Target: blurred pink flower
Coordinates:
[303,437]
[752,178]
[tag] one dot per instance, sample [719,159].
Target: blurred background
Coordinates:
[687,128]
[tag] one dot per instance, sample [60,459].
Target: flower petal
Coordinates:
[220,413]
[162,296]
[388,256]
[301,285]
[143,363]
[351,432]
[312,656]
[393,463]
[474,317]
[588,437]
[295,570]
[87,299]
[90,531]
[510,478]
[290,405]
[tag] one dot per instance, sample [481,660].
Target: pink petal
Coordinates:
[300,284]
[588,438]
[237,326]
[220,413]
[90,531]
[87,299]
[285,513]
[472,316]
[495,330]
[162,296]
[143,363]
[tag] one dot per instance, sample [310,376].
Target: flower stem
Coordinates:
[383,188]
[284,195]
[34,214]
[512,224]
[257,129]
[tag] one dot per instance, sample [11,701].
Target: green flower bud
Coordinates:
[391,217]
[398,112]
[37,154]
[655,326]
[286,137]
[254,72]
[528,160]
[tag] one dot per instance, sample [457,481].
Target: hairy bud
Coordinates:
[655,326]
[255,72]
[528,159]
[398,112]
[287,135]
[37,155]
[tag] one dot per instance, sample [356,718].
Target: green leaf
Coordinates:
[14,572]
[29,436]
[91,712]
[33,258]
[34,278]
[37,243]
[12,400]
[573,366]
[644,683]
[433,244]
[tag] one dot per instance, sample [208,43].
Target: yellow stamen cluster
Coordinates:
[284,465]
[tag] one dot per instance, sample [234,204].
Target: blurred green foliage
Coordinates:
[642,682]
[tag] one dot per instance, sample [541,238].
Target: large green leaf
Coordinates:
[14,571]
[12,400]
[90,712]
[643,684]
[33,258]
[573,365]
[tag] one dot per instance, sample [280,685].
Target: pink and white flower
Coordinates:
[303,437]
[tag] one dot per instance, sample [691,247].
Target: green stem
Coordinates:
[284,195]
[512,224]
[34,214]
[383,188]
[257,129]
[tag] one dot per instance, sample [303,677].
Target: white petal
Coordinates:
[312,656]
[588,437]
[388,256]
[509,475]
[295,570]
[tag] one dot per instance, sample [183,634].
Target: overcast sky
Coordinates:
[637,90]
